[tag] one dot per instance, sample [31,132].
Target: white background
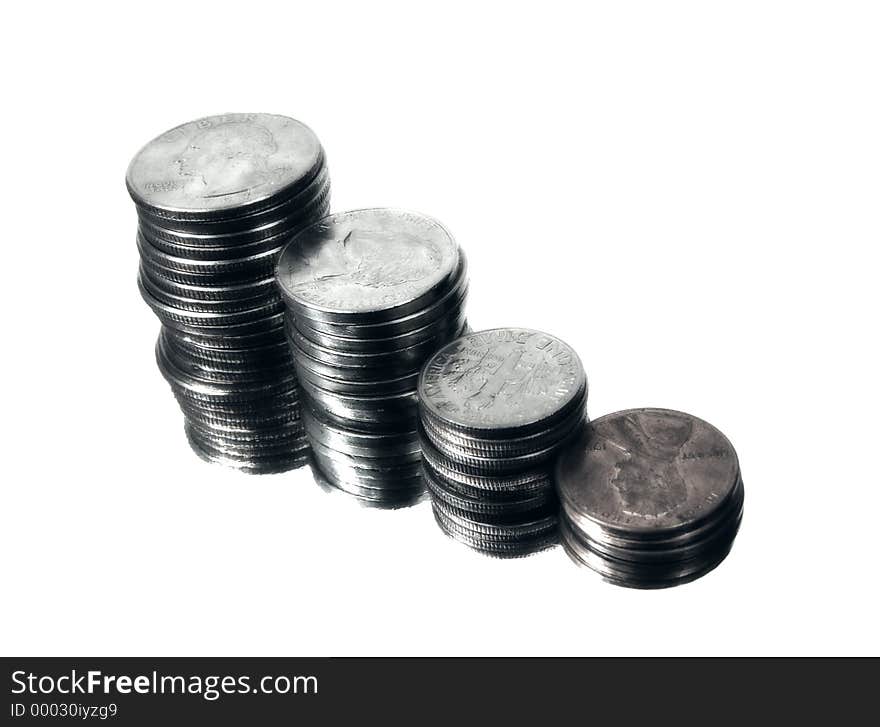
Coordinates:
[685,192]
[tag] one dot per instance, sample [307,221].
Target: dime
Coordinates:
[502,382]
[650,497]
[495,409]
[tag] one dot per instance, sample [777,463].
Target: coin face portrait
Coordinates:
[501,378]
[370,259]
[367,260]
[646,474]
[223,162]
[228,159]
[647,469]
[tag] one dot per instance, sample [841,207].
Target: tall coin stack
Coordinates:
[217,199]
[650,498]
[495,409]
[371,294]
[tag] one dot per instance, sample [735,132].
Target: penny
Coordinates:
[650,497]
[648,470]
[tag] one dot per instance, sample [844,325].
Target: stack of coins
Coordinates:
[371,294]
[650,497]
[217,199]
[495,409]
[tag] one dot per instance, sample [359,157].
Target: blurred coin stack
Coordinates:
[217,199]
[650,498]
[495,409]
[371,294]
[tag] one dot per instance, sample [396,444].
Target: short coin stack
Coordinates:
[650,497]
[495,409]
[371,294]
[217,199]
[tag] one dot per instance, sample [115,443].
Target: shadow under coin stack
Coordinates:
[371,294]
[495,409]
[650,498]
[217,199]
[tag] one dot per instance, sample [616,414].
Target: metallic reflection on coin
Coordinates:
[375,264]
[370,295]
[217,199]
[495,409]
[650,497]
[228,164]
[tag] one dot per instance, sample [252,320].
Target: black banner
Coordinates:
[244,691]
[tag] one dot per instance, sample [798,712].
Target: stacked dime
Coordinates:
[650,497]
[495,409]
[371,294]
[217,199]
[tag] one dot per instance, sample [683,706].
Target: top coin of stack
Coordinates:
[495,408]
[650,497]
[370,295]
[217,199]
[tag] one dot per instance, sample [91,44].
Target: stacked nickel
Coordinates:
[495,409]
[217,199]
[371,294]
[650,497]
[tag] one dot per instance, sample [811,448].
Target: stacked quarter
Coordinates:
[650,497]
[217,199]
[495,409]
[371,294]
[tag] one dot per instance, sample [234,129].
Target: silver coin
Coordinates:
[367,265]
[493,464]
[248,462]
[537,445]
[387,412]
[392,387]
[257,265]
[196,239]
[370,496]
[516,547]
[364,444]
[171,298]
[370,295]
[416,345]
[222,165]
[450,297]
[235,292]
[502,382]
[175,316]
[476,506]
[411,353]
[495,408]
[187,383]
[400,465]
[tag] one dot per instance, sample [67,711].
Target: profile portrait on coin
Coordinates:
[372,258]
[228,159]
[646,474]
